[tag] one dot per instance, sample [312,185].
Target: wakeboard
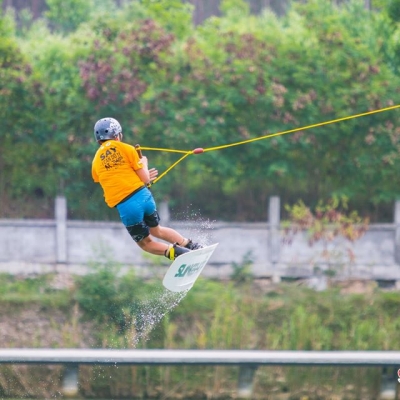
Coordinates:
[184,271]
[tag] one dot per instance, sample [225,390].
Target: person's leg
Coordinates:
[168,234]
[139,215]
[140,233]
[150,246]
[161,249]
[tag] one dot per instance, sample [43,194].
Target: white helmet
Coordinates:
[107,128]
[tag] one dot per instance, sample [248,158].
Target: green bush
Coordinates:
[174,85]
[107,296]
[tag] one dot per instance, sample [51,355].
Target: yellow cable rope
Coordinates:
[303,128]
[198,151]
[172,166]
[167,150]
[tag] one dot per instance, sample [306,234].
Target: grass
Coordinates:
[38,289]
[213,315]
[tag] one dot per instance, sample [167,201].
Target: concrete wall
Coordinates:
[28,246]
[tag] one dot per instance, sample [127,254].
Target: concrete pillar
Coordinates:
[164,212]
[397,231]
[274,220]
[388,384]
[245,382]
[61,229]
[70,382]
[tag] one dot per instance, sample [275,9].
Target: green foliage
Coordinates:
[291,318]
[223,315]
[20,95]
[331,225]
[26,21]
[214,315]
[239,81]
[242,271]
[108,297]
[394,10]
[65,17]
[173,85]
[322,325]
[329,221]
[174,15]
[18,290]
[235,7]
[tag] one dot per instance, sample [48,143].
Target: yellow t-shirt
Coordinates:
[114,166]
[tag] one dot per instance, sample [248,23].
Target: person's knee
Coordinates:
[144,243]
[139,231]
[156,231]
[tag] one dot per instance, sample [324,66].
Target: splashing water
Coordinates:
[151,312]
[201,228]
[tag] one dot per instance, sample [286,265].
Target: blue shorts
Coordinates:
[138,214]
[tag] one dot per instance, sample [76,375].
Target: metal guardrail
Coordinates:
[247,360]
[199,357]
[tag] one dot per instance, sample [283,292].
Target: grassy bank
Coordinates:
[112,309]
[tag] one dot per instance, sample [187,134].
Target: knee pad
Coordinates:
[138,231]
[152,220]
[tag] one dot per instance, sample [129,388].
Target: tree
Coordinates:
[234,78]
[21,96]
[66,16]
[394,10]
[243,77]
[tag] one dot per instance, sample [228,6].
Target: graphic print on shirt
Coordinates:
[111,157]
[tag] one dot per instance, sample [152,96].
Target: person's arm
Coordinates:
[152,175]
[143,173]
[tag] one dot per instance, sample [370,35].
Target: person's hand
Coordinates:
[144,161]
[153,174]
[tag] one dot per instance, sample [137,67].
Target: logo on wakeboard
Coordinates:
[187,270]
